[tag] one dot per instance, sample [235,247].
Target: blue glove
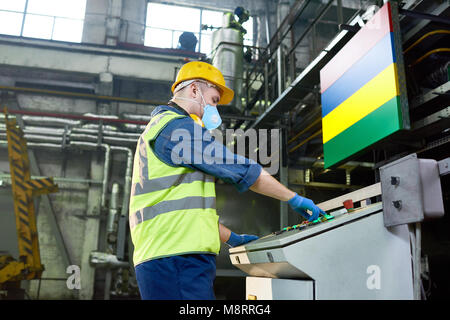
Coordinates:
[239,239]
[300,205]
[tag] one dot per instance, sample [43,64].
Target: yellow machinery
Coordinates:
[24,189]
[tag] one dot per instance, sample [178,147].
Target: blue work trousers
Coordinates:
[182,277]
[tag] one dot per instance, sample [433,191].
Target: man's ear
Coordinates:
[194,90]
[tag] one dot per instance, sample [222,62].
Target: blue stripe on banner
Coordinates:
[364,70]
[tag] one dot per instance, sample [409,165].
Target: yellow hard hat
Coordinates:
[202,70]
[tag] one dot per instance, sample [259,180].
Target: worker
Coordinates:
[173,220]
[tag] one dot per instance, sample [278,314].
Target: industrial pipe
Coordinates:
[90,146]
[37,119]
[306,140]
[57,136]
[39,138]
[112,208]
[82,137]
[127,186]
[107,148]
[108,133]
[426,36]
[304,130]
[4,143]
[75,117]
[137,117]
[43,130]
[77,95]
[106,260]
[429,53]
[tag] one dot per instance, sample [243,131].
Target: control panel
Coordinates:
[305,224]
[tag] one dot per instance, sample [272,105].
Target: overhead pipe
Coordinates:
[77,95]
[305,141]
[90,145]
[36,138]
[75,137]
[43,130]
[93,146]
[116,140]
[105,139]
[45,119]
[37,118]
[426,55]
[55,179]
[44,145]
[440,31]
[107,133]
[138,117]
[87,145]
[42,138]
[82,137]
[75,117]
[134,127]
[304,130]
[94,126]
[4,143]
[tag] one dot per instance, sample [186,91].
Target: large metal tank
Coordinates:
[227,47]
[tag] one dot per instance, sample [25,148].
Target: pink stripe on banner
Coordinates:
[364,40]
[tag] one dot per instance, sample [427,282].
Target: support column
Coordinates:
[105,88]
[282,11]
[113,22]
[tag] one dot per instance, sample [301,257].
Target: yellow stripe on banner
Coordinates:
[373,95]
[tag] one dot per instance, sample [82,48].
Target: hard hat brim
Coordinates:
[226,96]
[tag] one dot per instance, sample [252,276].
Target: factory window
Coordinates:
[44,19]
[165,24]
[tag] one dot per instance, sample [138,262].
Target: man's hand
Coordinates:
[301,204]
[239,239]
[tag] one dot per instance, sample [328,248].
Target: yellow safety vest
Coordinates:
[172,209]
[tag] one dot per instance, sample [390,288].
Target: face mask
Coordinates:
[211,117]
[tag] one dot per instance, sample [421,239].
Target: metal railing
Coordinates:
[298,34]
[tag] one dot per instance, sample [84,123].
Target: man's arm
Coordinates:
[232,239]
[266,185]
[269,186]
[224,233]
[215,158]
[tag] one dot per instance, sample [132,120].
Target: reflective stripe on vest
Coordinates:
[172,209]
[152,185]
[171,205]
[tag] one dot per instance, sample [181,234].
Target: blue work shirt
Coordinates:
[221,163]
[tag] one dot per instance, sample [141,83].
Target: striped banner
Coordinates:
[362,94]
